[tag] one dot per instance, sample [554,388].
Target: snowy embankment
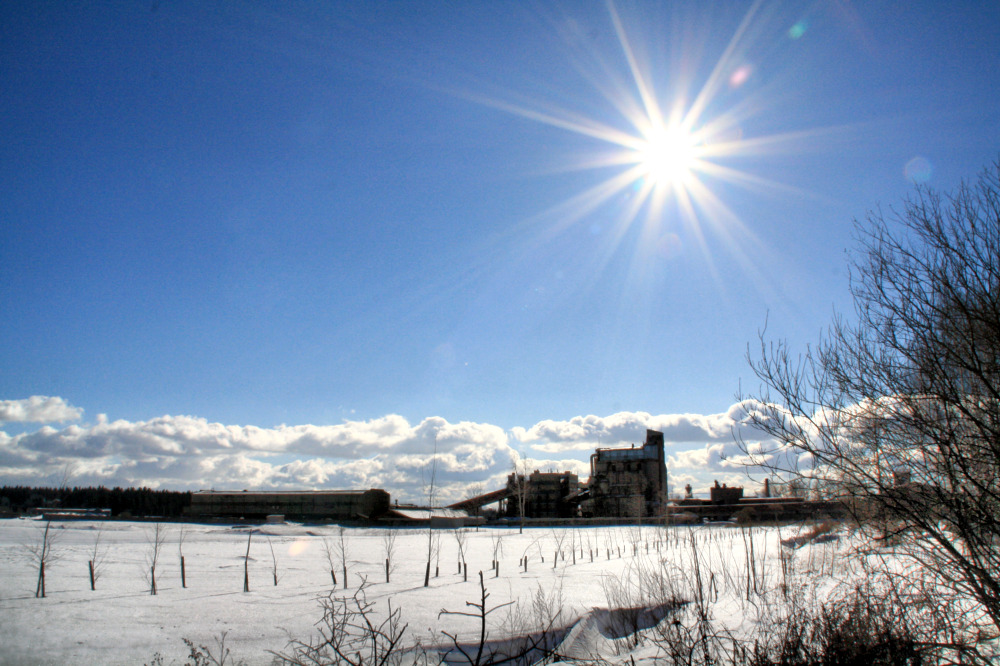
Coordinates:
[633,577]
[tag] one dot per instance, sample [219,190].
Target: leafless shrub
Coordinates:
[863,628]
[519,646]
[350,633]
[204,656]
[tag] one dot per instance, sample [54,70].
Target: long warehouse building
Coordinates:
[312,504]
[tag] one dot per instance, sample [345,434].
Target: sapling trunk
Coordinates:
[274,562]
[154,540]
[42,551]
[90,565]
[246,565]
[180,553]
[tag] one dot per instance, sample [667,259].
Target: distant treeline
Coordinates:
[125,502]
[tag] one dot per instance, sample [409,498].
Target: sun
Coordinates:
[667,156]
[665,144]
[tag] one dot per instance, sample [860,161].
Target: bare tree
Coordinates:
[68,472]
[331,559]
[897,409]
[340,550]
[274,561]
[496,538]
[430,489]
[559,536]
[475,490]
[41,551]
[98,558]
[437,554]
[155,540]
[518,486]
[460,541]
[389,549]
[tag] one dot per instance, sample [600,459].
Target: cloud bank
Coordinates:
[187,452]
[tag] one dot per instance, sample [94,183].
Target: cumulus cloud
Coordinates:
[188,452]
[191,452]
[38,409]
[587,432]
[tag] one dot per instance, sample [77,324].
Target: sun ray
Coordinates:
[669,158]
[700,103]
[646,94]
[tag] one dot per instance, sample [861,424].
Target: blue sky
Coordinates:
[298,244]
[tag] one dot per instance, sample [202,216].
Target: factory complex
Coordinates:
[625,485]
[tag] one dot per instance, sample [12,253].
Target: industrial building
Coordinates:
[728,503]
[624,484]
[545,495]
[628,483]
[312,504]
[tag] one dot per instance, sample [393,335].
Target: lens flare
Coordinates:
[918,170]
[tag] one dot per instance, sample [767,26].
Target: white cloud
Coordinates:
[38,409]
[187,452]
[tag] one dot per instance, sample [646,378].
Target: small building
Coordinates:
[725,495]
[544,494]
[309,504]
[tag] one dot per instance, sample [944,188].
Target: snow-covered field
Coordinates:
[730,569]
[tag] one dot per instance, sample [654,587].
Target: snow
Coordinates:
[121,622]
